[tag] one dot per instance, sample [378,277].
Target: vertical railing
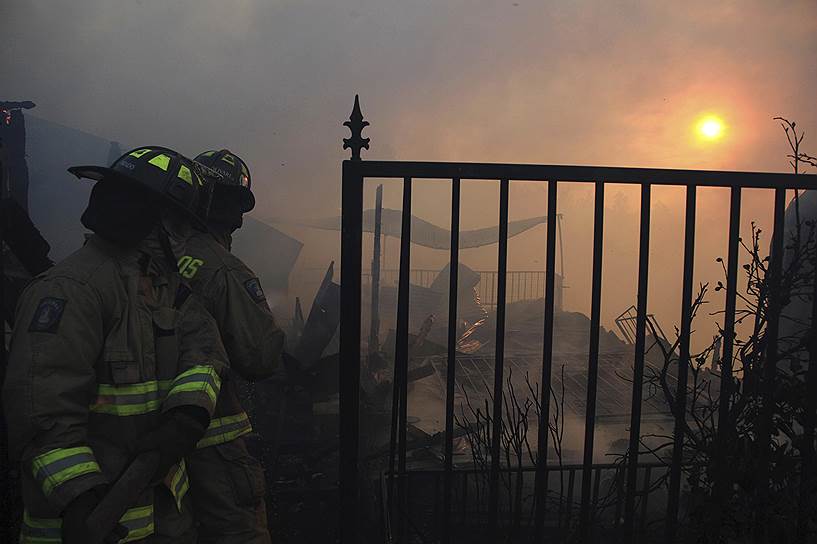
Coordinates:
[374,328]
[768,393]
[722,485]
[593,362]
[638,366]
[541,483]
[401,352]
[349,371]
[807,500]
[499,358]
[683,365]
[452,357]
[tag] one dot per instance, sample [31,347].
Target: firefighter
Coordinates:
[111,356]
[227,482]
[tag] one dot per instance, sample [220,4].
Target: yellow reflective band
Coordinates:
[245,171]
[208,154]
[40,530]
[139,522]
[228,159]
[224,429]
[200,378]
[139,152]
[179,484]
[184,173]
[162,161]
[58,466]
[198,178]
[195,388]
[131,399]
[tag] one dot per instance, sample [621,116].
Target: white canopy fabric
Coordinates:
[427,234]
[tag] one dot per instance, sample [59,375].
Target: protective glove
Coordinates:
[181,428]
[76,514]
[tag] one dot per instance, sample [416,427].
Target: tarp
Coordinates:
[427,234]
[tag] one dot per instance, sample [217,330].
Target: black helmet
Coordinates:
[233,172]
[164,171]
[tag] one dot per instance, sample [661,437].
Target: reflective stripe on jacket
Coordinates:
[98,353]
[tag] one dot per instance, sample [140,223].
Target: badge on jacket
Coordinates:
[48,315]
[253,287]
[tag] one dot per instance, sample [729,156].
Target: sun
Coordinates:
[710,128]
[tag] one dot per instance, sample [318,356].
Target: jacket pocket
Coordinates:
[122,366]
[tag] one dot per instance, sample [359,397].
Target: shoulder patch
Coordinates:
[253,287]
[48,315]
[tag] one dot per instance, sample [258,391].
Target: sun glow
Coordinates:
[710,128]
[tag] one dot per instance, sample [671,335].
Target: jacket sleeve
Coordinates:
[50,385]
[202,359]
[252,338]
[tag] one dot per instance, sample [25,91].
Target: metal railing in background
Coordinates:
[522,284]
[356,171]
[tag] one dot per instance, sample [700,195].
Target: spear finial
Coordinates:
[356,124]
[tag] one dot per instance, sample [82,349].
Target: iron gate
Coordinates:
[356,171]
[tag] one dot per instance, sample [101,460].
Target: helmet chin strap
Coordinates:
[167,249]
[172,226]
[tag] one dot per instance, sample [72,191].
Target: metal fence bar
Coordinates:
[593,360]
[374,327]
[571,484]
[808,481]
[772,355]
[541,485]
[644,493]
[349,369]
[496,436]
[683,364]
[638,366]
[452,356]
[722,484]
[631,176]
[401,350]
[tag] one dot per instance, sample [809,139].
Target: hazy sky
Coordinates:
[578,82]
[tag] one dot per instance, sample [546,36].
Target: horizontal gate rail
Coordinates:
[356,171]
[590,174]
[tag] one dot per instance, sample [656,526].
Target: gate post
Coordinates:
[349,367]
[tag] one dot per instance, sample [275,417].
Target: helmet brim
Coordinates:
[93,173]
[101,173]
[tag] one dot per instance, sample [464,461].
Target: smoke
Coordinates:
[519,81]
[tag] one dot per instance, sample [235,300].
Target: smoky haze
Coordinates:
[463,80]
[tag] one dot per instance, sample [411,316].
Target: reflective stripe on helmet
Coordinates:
[184,174]
[55,467]
[162,161]
[139,152]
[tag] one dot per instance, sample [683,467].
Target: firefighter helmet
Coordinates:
[164,171]
[232,172]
